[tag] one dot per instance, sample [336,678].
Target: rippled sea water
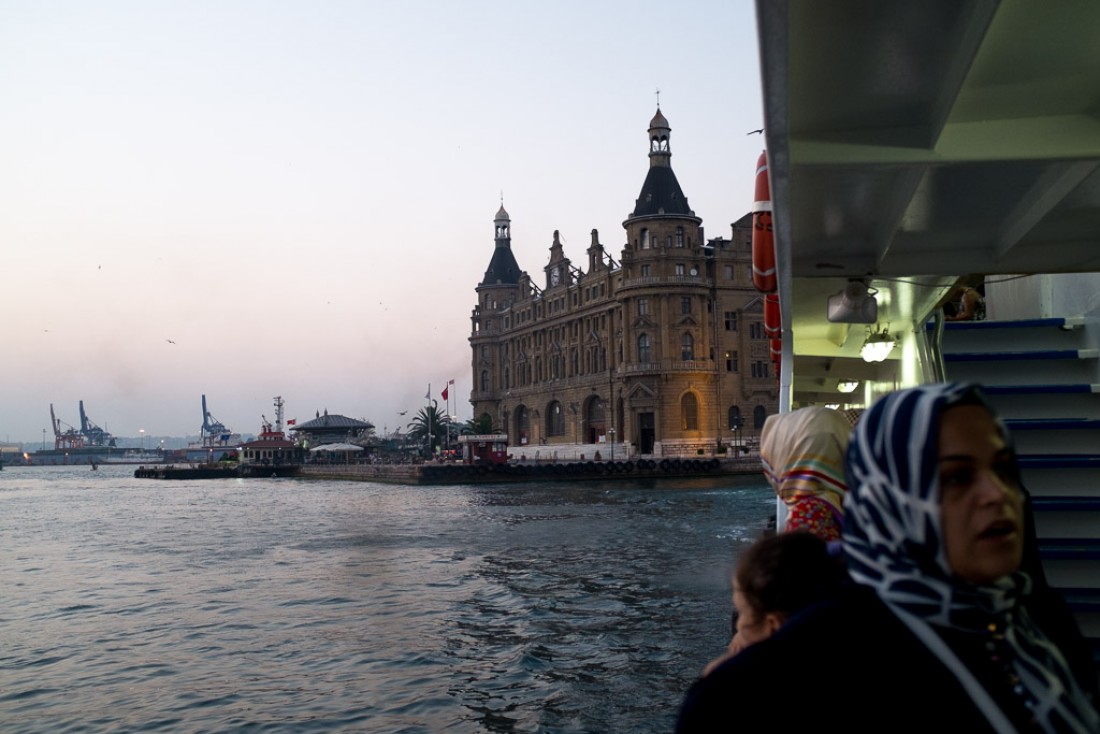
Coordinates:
[283,605]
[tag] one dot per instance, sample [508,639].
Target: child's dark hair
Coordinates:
[786,573]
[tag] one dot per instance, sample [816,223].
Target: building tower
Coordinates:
[499,287]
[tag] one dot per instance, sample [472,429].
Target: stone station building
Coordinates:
[663,351]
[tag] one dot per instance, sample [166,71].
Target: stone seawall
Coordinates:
[524,471]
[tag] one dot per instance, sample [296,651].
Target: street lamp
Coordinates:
[612,432]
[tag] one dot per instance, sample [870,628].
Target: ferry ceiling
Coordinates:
[912,143]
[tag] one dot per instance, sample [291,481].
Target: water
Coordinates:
[281,605]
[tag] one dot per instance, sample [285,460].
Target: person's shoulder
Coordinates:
[755,683]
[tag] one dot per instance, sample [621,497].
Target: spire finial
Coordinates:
[658,98]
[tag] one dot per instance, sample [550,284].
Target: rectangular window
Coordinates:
[680,269]
[643,306]
[731,361]
[685,305]
[645,271]
[729,272]
[760,369]
[756,330]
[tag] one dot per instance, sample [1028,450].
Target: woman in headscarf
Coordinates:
[803,457]
[941,628]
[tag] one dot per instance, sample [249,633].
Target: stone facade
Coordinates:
[662,350]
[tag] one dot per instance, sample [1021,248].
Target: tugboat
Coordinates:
[272,454]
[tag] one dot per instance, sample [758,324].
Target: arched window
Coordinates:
[735,419]
[689,412]
[643,348]
[645,239]
[687,347]
[596,419]
[555,419]
[759,415]
[485,381]
[523,425]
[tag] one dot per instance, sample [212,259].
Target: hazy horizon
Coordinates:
[251,199]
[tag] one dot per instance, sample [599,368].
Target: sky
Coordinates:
[250,199]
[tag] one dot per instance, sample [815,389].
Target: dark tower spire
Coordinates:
[503,269]
[661,194]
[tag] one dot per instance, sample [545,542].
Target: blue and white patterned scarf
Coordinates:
[893,543]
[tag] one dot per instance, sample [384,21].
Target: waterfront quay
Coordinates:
[511,472]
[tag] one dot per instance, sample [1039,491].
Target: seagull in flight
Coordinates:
[403,412]
[755,132]
[169,341]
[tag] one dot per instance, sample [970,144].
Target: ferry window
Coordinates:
[687,347]
[643,348]
[689,412]
[731,361]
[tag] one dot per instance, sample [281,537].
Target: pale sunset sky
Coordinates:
[251,199]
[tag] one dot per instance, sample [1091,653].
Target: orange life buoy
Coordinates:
[763,241]
[773,323]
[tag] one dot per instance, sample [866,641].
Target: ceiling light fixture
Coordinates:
[847,385]
[854,304]
[878,346]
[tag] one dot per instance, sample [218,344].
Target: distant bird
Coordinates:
[403,412]
[169,341]
[754,132]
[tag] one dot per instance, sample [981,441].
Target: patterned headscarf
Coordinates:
[803,455]
[893,543]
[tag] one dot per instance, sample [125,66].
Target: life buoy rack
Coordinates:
[763,240]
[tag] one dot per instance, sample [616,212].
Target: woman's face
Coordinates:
[981,505]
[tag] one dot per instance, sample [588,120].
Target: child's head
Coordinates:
[778,576]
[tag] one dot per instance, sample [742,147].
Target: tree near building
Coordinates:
[427,427]
[480,426]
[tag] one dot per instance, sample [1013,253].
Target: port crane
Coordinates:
[213,431]
[65,438]
[93,434]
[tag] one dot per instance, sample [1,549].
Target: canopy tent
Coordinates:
[338,447]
